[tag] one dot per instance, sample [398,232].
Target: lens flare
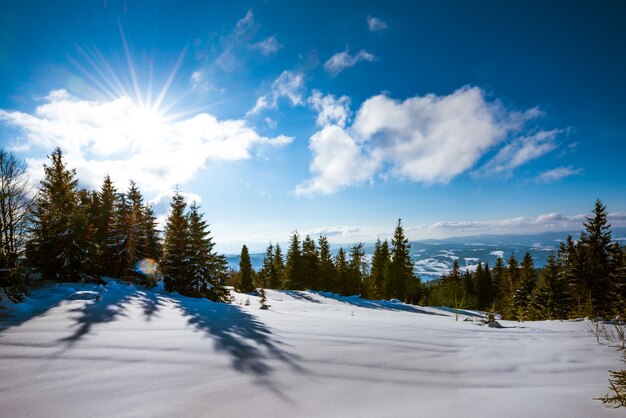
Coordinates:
[146,266]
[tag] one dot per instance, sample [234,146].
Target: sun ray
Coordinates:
[170,78]
[131,67]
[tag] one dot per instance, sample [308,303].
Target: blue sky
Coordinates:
[329,117]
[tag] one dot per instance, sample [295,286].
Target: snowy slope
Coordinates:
[120,351]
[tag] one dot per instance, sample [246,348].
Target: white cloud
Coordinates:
[375,24]
[288,85]
[428,139]
[199,81]
[338,162]
[557,174]
[342,60]
[330,111]
[268,46]
[245,24]
[121,139]
[517,225]
[520,151]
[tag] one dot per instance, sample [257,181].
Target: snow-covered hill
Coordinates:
[117,350]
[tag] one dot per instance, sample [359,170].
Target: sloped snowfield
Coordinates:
[93,351]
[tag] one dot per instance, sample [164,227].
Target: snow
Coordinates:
[498,253]
[117,350]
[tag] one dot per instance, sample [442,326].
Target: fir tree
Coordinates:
[55,248]
[309,264]
[207,271]
[176,247]
[267,274]
[245,282]
[357,269]
[401,280]
[596,246]
[497,282]
[341,267]
[293,268]
[508,286]
[380,263]
[104,225]
[483,286]
[326,272]
[279,267]
[524,288]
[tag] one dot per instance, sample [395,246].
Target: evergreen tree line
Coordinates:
[67,233]
[586,277]
[311,265]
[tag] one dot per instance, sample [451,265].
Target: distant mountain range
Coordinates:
[434,257]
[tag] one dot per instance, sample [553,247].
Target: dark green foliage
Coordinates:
[245,282]
[401,282]
[357,270]
[309,264]
[175,248]
[524,288]
[293,267]
[267,274]
[341,266]
[326,271]
[207,270]
[56,248]
[380,262]
[484,289]
[617,385]
[279,268]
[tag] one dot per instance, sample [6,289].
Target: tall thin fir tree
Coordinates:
[176,247]
[245,282]
[326,273]
[524,288]
[267,274]
[279,267]
[309,264]
[357,270]
[104,227]
[293,267]
[401,280]
[380,263]
[341,267]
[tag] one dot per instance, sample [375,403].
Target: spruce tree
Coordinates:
[326,272]
[401,281]
[596,244]
[357,270]
[245,282]
[293,267]
[524,288]
[508,286]
[267,274]
[309,264]
[341,267]
[483,287]
[55,248]
[497,282]
[104,226]
[279,267]
[176,247]
[207,271]
[380,263]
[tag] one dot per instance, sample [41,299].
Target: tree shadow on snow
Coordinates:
[300,295]
[239,334]
[376,304]
[106,308]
